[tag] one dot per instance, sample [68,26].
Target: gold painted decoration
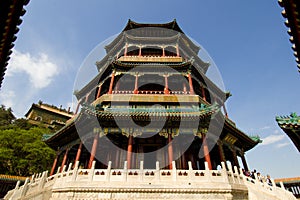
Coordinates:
[230,139]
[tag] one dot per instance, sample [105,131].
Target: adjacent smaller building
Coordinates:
[291,184]
[48,116]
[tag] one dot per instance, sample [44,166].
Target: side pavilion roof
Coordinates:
[291,126]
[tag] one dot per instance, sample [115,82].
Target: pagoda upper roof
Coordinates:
[291,126]
[169,25]
[131,33]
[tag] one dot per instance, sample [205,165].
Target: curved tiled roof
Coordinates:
[10,18]
[291,126]
[292,14]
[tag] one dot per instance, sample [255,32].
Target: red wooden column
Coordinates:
[64,160]
[170,150]
[203,93]
[184,88]
[191,84]
[163,52]
[206,151]
[244,161]
[87,97]
[221,152]
[166,90]
[125,51]
[225,111]
[135,91]
[99,91]
[111,83]
[77,107]
[94,149]
[54,164]
[129,151]
[177,51]
[235,159]
[140,51]
[78,154]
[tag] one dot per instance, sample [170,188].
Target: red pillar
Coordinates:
[135,91]
[163,52]
[203,93]
[225,111]
[235,159]
[64,160]
[78,154]
[54,165]
[94,149]
[111,83]
[206,152]
[77,107]
[87,97]
[166,90]
[140,51]
[99,91]
[125,51]
[129,151]
[177,50]
[221,152]
[183,161]
[244,162]
[184,88]
[170,150]
[191,84]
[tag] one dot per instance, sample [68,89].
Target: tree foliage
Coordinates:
[22,151]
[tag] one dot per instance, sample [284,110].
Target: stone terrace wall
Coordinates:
[147,184]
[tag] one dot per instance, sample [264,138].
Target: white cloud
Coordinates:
[272,139]
[282,144]
[39,68]
[7,98]
[265,128]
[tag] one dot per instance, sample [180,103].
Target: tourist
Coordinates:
[268,180]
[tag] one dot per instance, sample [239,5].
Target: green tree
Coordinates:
[6,117]
[23,153]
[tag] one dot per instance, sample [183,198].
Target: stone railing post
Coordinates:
[273,184]
[63,169]
[92,171]
[70,167]
[190,170]
[236,173]
[108,171]
[58,170]
[157,172]
[75,171]
[32,178]
[43,180]
[281,185]
[141,174]
[174,171]
[125,172]
[231,172]
[224,172]
[242,175]
[15,190]
[208,175]
[25,186]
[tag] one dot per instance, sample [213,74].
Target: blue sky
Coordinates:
[246,39]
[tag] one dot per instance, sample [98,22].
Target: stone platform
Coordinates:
[147,184]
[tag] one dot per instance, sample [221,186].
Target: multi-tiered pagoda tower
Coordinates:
[151,73]
[150,127]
